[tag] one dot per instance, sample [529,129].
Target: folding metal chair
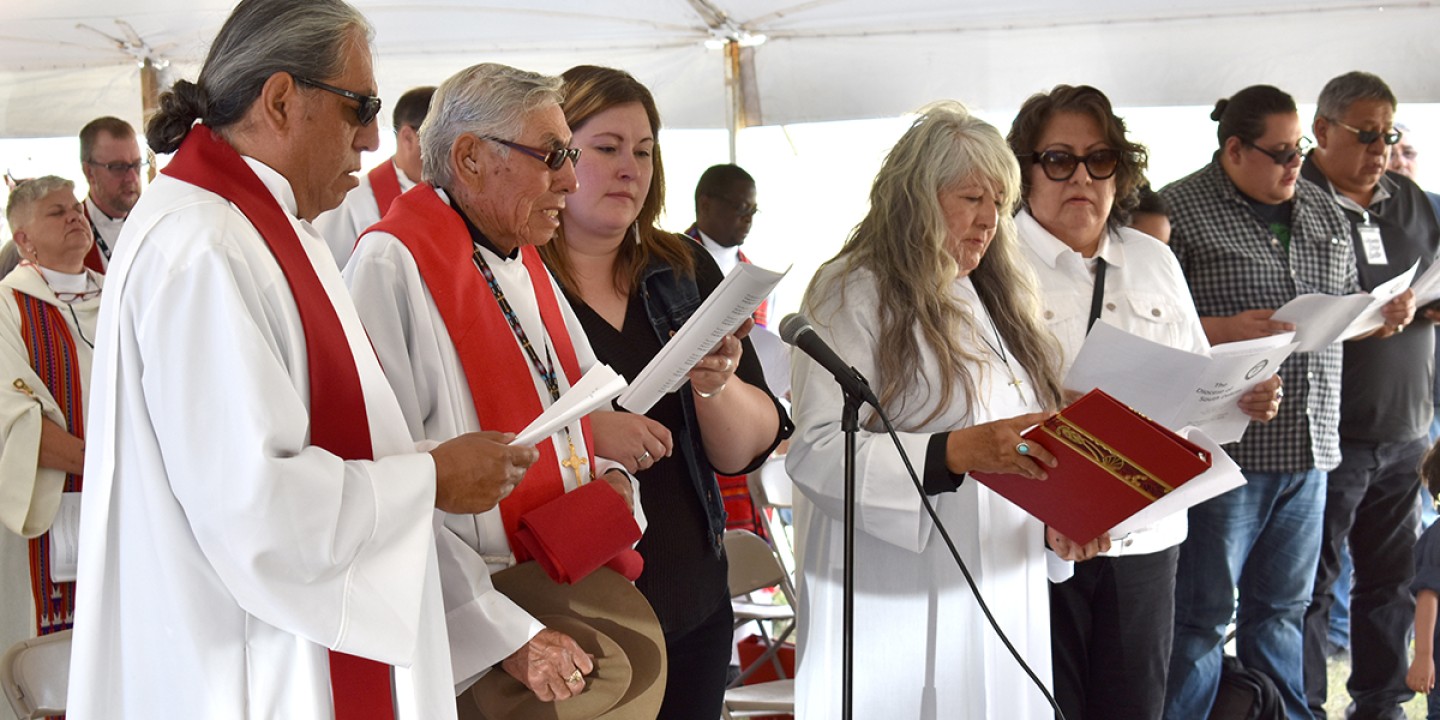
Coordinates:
[772,491]
[35,674]
[770,698]
[755,566]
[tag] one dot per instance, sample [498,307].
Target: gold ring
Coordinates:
[574,678]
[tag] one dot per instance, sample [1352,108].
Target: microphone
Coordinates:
[796,330]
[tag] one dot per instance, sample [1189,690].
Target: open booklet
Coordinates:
[1176,387]
[596,388]
[1427,286]
[732,301]
[1323,319]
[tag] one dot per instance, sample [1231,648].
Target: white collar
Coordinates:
[1051,249]
[276,184]
[405,182]
[725,257]
[63,282]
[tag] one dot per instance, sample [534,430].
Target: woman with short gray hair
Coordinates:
[48,308]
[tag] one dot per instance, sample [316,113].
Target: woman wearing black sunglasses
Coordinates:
[1112,622]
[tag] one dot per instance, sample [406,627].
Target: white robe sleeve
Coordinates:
[330,550]
[484,625]
[29,494]
[887,504]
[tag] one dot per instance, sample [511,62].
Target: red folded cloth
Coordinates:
[578,532]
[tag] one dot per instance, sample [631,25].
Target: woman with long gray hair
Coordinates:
[929,300]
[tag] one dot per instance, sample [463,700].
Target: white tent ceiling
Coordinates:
[823,59]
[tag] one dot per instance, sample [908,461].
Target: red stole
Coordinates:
[53,357]
[384,184]
[360,687]
[498,372]
[94,261]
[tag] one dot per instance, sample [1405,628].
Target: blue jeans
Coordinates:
[1263,539]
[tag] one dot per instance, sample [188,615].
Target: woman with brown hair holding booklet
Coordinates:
[929,300]
[632,285]
[1113,621]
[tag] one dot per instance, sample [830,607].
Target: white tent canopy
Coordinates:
[820,59]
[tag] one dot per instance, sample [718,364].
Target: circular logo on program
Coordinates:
[1256,370]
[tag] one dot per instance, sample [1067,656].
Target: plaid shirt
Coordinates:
[1234,263]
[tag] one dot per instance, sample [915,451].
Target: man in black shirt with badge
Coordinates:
[1385,405]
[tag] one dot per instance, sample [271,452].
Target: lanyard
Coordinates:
[545,369]
[1098,297]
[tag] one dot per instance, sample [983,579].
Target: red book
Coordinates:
[1112,463]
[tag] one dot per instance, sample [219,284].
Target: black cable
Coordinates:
[980,600]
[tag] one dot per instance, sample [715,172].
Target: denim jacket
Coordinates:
[670,299]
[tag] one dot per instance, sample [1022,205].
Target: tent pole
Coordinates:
[149,101]
[734,94]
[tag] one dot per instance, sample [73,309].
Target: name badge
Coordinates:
[1373,245]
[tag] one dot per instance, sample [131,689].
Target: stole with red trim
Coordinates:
[384,184]
[52,355]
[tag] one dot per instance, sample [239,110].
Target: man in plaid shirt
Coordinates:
[1251,235]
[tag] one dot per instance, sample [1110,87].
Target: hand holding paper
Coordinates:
[731,303]
[595,389]
[1323,319]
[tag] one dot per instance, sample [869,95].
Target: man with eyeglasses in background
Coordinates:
[1385,402]
[1405,159]
[110,158]
[368,202]
[724,212]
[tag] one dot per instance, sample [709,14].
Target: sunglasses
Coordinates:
[1282,157]
[1366,137]
[1060,166]
[553,159]
[365,112]
[120,168]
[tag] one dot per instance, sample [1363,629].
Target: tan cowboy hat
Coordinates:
[606,616]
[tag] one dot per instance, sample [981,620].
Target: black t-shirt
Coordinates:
[684,579]
[1385,390]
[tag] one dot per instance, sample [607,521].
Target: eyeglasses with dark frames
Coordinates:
[743,208]
[120,168]
[1366,137]
[553,159]
[1281,157]
[365,112]
[1060,166]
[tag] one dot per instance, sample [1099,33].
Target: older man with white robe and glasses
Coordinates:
[258,531]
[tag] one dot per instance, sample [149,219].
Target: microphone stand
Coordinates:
[850,424]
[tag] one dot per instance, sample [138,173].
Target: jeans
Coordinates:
[1262,538]
[1370,500]
[1339,636]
